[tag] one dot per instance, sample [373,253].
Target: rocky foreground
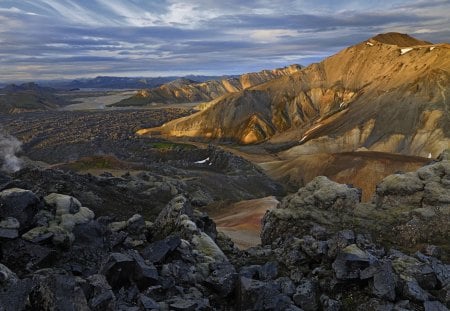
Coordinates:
[322,250]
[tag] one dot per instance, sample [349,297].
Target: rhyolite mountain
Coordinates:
[28,97]
[185,90]
[389,94]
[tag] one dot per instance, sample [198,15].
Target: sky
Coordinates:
[56,39]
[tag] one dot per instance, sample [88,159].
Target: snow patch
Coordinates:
[303,139]
[202,161]
[405,50]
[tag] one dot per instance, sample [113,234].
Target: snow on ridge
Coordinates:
[202,161]
[405,50]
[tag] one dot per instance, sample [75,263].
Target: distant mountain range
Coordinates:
[187,90]
[106,82]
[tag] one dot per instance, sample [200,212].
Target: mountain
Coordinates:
[378,95]
[186,90]
[107,82]
[28,97]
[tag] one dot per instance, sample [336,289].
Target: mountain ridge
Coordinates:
[184,92]
[346,92]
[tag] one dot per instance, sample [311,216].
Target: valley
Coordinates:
[324,187]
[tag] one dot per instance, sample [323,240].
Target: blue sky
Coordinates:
[48,39]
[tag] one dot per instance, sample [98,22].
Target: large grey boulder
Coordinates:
[20,204]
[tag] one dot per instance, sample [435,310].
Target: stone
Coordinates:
[23,256]
[383,280]
[254,294]
[222,279]
[69,221]
[99,293]
[136,224]
[329,304]
[349,262]
[118,270]
[19,204]
[268,271]
[37,235]
[206,246]
[145,274]
[286,285]
[146,303]
[434,306]
[169,221]
[13,291]
[412,290]
[9,228]
[56,291]
[159,250]
[63,204]
[306,297]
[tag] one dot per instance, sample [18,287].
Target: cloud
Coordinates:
[50,38]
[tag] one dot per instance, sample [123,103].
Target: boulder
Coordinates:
[20,204]
[349,263]
[55,290]
[9,228]
[306,295]
[119,270]
[99,293]
[62,204]
[157,251]
[434,306]
[13,291]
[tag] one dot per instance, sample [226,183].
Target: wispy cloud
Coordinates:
[68,38]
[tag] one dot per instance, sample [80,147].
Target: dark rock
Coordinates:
[144,274]
[412,290]
[222,279]
[250,272]
[136,224]
[349,262]
[383,283]
[13,291]
[20,204]
[9,228]
[306,296]
[159,250]
[286,285]
[432,250]
[99,293]
[8,233]
[55,291]
[434,306]
[146,303]
[188,304]
[118,270]
[90,234]
[329,304]
[24,256]
[442,272]
[254,294]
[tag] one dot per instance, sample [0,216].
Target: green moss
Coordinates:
[172,146]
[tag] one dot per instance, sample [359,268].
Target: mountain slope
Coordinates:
[185,90]
[378,95]
[28,97]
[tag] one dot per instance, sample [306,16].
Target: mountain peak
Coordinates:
[399,39]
